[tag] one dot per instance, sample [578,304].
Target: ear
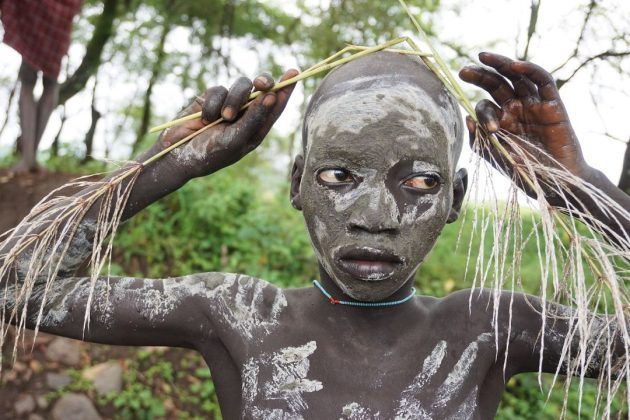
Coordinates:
[296,179]
[460,184]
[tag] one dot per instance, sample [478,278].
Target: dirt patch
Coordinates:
[19,193]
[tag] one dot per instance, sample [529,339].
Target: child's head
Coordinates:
[377,179]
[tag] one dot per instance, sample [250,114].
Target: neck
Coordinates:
[331,287]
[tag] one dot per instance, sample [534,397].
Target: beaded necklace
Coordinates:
[334,301]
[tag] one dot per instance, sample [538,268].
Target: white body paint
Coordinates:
[354,411]
[409,406]
[287,369]
[412,406]
[352,109]
[237,300]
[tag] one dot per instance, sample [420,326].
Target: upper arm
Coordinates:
[182,311]
[127,311]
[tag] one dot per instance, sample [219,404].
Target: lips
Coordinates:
[369,264]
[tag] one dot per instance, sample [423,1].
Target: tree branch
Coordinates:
[93,51]
[531,29]
[600,56]
[587,18]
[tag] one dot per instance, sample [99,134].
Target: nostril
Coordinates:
[356,226]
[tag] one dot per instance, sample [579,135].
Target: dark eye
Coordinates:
[425,182]
[335,176]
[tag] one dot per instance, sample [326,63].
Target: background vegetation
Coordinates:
[239,220]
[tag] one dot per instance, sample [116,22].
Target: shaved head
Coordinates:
[404,82]
[377,182]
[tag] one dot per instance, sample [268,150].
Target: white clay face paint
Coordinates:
[371,192]
[351,110]
[287,373]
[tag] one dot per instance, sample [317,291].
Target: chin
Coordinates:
[366,290]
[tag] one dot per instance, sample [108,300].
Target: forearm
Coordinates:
[73,241]
[615,221]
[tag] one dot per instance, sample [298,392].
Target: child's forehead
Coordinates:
[380,111]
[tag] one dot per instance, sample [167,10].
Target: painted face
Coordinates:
[376,189]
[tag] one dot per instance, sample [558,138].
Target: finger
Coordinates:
[472,129]
[263,82]
[523,87]
[500,90]
[263,113]
[236,98]
[247,129]
[214,99]
[284,94]
[547,88]
[489,115]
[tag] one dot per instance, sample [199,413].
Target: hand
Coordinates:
[529,107]
[227,142]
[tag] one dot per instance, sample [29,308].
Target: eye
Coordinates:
[424,182]
[335,176]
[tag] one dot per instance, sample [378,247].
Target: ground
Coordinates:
[101,381]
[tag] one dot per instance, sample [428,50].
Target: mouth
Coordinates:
[369,264]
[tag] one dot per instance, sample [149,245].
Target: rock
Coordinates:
[42,402]
[65,351]
[74,407]
[24,405]
[56,381]
[106,377]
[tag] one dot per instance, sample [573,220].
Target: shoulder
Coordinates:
[220,285]
[239,303]
[483,306]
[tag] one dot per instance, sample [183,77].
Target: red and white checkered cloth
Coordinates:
[39,30]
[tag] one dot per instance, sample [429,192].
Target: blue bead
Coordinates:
[365,304]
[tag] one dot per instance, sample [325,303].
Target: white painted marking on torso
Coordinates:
[409,406]
[412,405]
[354,411]
[460,372]
[287,370]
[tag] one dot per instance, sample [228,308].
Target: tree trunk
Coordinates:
[54,148]
[9,103]
[91,61]
[89,137]
[624,180]
[156,70]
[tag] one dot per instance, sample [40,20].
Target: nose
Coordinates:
[375,213]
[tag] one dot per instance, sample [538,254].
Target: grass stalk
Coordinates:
[322,67]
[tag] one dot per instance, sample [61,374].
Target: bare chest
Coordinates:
[320,379]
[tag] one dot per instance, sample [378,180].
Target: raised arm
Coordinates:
[529,106]
[592,348]
[145,311]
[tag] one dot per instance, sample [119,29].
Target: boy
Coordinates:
[376,183]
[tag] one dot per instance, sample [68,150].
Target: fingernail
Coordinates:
[261,80]
[269,100]
[228,113]
[492,126]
